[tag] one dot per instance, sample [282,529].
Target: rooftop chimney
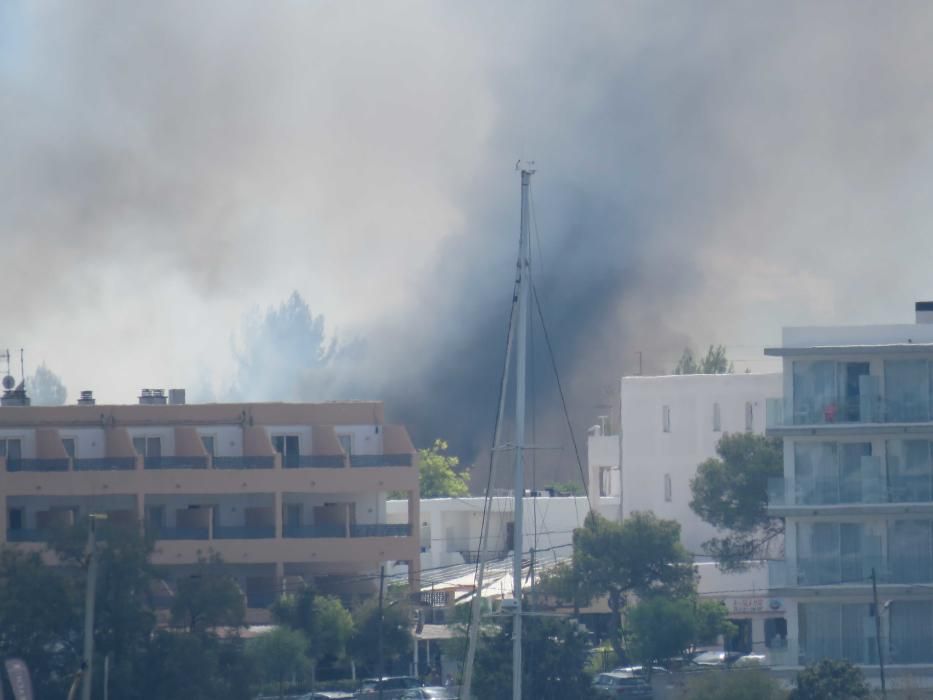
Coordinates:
[87,398]
[152,397]
[176,397]
[924,310]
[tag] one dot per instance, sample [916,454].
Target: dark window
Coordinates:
[16,518]
[69,445]
[346,442]
[208,442]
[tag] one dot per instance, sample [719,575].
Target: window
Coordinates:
[907,390]
[717,418]
[667,488]
[605,481]
[11,448]
[749,417]
[156,516]
[69,445]
[15,518]
[287,446]
[346,442]
[208,442]
[148,446]
[293,515]
[666,419]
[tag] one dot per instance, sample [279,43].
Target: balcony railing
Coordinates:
[182,533]
[243,532]
[866,408]
[175,463]
[864,490]
[850,569]
[94,464]
[245,462]
[19,464]
[381,530]
[804,491]
[324,530]
[313,461]
[385,460]
[23,535]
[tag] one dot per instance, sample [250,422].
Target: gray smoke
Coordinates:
[706,173]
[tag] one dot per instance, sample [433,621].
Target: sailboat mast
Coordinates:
[524,290]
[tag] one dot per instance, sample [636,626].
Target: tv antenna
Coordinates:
[8,381]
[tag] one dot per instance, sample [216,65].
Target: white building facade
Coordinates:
[670,425]
[856,418]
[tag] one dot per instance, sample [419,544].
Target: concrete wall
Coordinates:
[650,454]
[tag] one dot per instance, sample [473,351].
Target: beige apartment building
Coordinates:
[283,492]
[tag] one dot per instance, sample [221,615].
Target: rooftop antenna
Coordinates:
[22,367]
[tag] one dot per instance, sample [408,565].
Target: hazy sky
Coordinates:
[707,172]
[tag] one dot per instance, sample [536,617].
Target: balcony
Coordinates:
[383,530]
[385,460]
[237,532]
[870,407]
[182,533]
[175,462]
[313,461]
[18,464]
[824,491]
[95,464]
[325,530]
[23,535]
[853,570]
[245,462]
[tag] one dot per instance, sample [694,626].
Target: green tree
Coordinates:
[124,619]
[396,633]
[753,684]
[39,620]
[715,362]
[731,493]
[439,477]
[208,598]
[278,655]
[45,388]
[830,679]
[324,621]
[661,628]
[200,667]
[640,555]
[566,487]
[565,586]
[555,654]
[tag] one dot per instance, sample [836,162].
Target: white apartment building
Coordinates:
[856,418]
[670,424]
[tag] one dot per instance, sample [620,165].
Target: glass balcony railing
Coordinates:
[381,530]
[175,462]
[327,530]
[813,492]
[869,407]
[385,460]
[245,462]
[850,569]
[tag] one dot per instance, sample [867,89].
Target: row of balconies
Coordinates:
[208,462]
[326,531]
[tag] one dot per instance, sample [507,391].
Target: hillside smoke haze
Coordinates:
[706,174]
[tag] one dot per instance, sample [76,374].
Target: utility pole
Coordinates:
[89,595]
[874,591]
[382,578]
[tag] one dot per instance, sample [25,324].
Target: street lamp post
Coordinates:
[89,596]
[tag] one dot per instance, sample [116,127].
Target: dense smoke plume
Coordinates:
[707,173]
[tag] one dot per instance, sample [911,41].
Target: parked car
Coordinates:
[393,687]
[751,660]
[622,685]
[717,659]
[434,692]
[643,672]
